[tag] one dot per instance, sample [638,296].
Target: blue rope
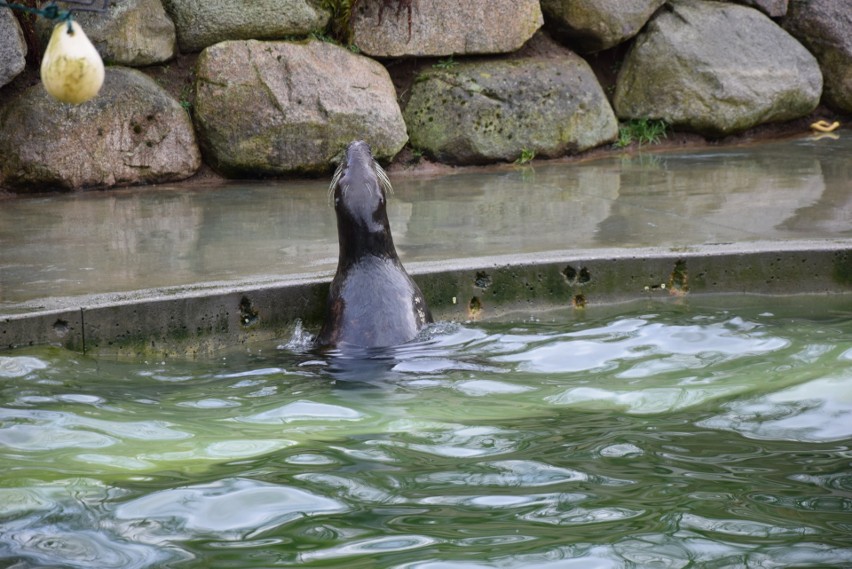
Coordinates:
[52,11]
[49,12]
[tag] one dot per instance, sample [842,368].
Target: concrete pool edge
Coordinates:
[202,318]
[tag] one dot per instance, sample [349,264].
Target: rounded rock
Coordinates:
[282,108]
[481,112]
[716,69]
[133,132]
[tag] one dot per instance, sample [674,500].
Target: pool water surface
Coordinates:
[690,433]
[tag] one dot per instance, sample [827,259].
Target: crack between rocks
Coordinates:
[678,14]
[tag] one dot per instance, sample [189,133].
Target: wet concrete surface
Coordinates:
[171,262]
[166,236]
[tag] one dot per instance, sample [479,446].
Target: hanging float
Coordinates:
[72,70]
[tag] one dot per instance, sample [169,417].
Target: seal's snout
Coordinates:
[358,169]
[358,156]
[360,150]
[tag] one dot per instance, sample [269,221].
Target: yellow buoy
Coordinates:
[72,70]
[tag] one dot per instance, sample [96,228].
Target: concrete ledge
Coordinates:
[211,316]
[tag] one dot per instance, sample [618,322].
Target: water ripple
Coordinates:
[556,515]
[671,347]
[230,509]
[817,411]
[738,527]
[304,411]
[20,366]
[351,489]
[370,546]
[56,546]
[512,473]
[58,421]
[464,441]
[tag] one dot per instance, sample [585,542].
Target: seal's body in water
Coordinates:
[372,301]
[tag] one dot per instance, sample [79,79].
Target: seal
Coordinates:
[372,302]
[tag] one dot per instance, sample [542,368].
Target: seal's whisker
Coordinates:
[335,179]
[384,181]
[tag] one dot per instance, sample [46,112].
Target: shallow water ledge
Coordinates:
[202,318]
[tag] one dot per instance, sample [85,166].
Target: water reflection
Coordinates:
[820,410]
[229,509]
[169,235]
[688,434]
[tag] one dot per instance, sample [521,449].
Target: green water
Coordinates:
[700,433]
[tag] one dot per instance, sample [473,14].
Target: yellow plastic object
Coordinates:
[824,126]
[72,70]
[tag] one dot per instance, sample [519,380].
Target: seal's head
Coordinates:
[359,189]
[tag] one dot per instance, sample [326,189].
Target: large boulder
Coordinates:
[202,23]
[825,28]
[480,112]
[716,69]
[274,108]
[13,48]
[130,32]
[443,27]
[595,25]
[133,132]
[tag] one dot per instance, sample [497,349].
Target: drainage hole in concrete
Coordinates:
[482,280]
[61,328]
[575,277]
[248,313]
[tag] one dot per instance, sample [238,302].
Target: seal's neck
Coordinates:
[359,188]
[359,240]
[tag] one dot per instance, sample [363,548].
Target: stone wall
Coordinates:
[268,93]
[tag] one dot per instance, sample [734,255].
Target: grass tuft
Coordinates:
[526,157]
[641,131]
[448,63]
[341,16]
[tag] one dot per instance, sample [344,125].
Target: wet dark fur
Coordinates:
[372,301]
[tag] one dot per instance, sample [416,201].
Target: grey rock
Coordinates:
[480,112]
[772,8]
[716,69]
[202,23]
[825,28]
[131,32]
[13,48]
[276,108]
[595,25]
[133,132]
[443,27]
